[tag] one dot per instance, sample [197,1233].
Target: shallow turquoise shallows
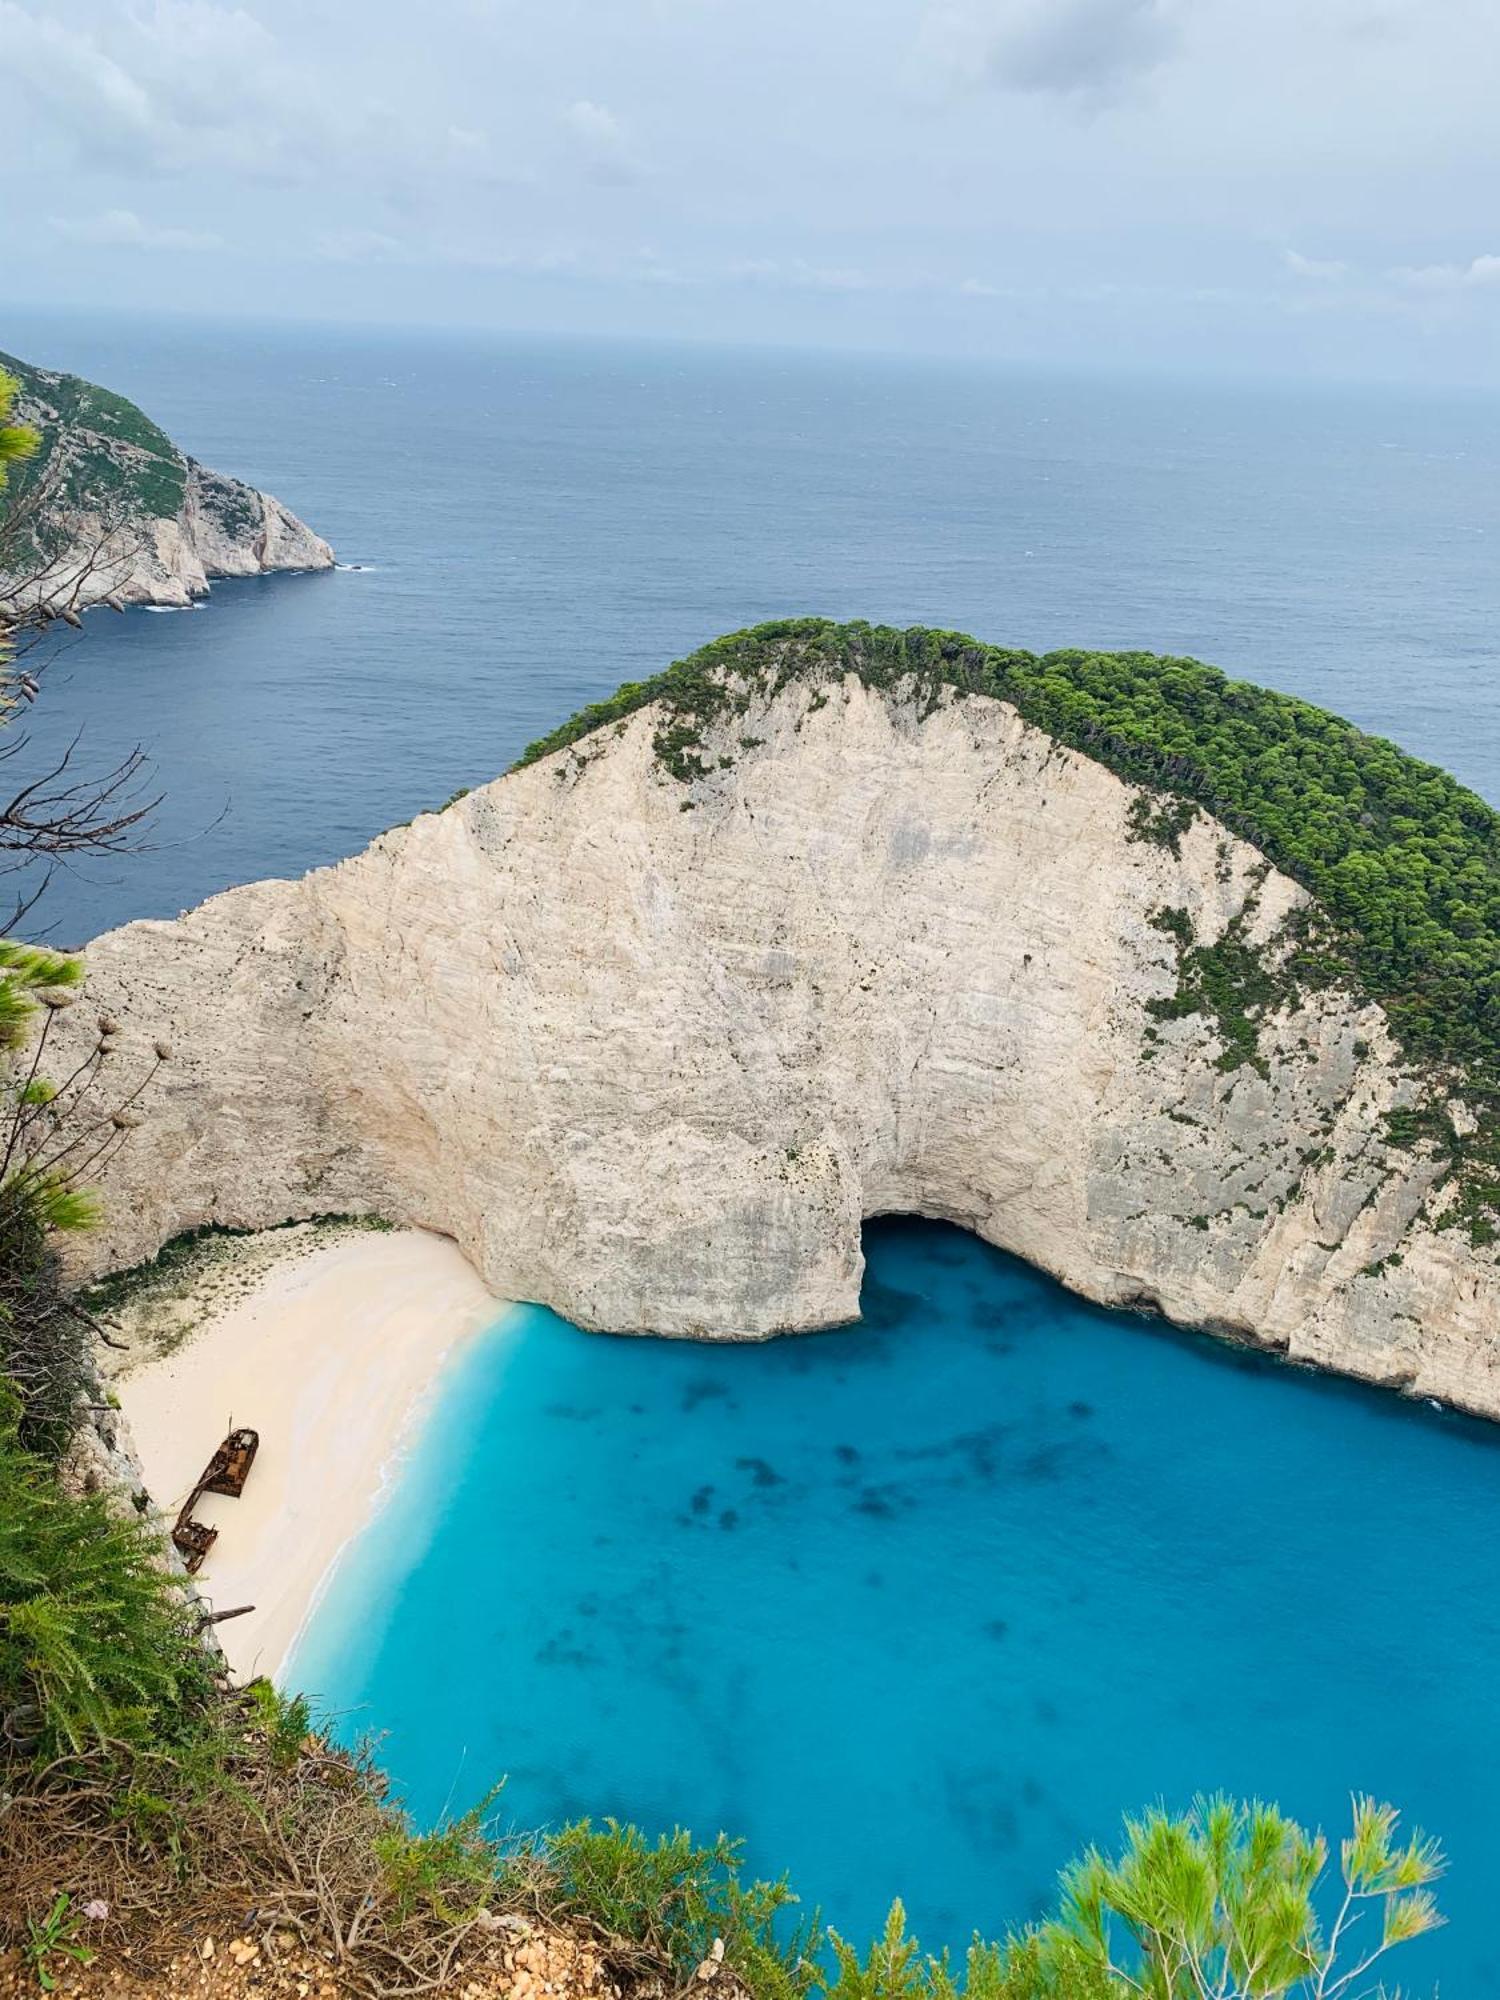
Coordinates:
[921,1606]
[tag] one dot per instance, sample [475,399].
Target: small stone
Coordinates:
[206,1949]
[487,1920]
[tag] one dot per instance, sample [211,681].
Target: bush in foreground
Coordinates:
[253,1812]
[98,1643]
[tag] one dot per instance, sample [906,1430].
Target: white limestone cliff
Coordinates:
[224,528]
[651,1052]
[111,511]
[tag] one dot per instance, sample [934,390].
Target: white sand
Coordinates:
[329,1356]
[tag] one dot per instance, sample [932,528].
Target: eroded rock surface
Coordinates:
[651,1051]
[111,510]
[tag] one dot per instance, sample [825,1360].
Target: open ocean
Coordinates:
[543,522]
[922,1606]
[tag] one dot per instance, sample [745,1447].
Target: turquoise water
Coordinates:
[921,1605]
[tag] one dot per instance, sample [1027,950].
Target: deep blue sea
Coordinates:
[923,1605]
[542,522]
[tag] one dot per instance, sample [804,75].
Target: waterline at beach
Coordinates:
[330,1353]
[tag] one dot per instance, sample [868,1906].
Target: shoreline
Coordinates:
[330,1347]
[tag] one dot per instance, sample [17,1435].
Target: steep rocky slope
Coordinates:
[651,1044]
[111,509]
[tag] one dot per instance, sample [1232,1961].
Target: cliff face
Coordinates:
[652,1052]
[112,510]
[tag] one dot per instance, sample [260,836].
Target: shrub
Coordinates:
[680,1904]
[97,1642]
[894,1968]
[447,1873]
[1225,1902]
[285,1721]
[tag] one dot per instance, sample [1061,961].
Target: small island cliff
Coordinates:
[110,510]
[653,1023]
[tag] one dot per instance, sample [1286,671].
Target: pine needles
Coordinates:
[97,1641]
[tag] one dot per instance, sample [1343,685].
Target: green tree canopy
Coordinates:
[1403,861]
[16,440]
[1230,1901]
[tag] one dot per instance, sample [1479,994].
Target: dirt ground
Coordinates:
[501,1965]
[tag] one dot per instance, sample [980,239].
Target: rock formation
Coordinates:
[651,1050]
[111,511]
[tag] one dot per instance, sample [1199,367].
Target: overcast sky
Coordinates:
[1308,186]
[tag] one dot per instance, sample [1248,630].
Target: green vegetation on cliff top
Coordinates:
[1402,859]
[99,453]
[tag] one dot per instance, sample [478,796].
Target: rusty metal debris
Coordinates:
[226,1472]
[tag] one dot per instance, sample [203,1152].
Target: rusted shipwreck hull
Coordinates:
[226,1472]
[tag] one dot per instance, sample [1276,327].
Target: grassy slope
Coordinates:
[1404,861]
[115,460]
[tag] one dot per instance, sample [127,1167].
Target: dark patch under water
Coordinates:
[921,1613]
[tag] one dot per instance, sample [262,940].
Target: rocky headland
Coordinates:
[111,511]
[818,931]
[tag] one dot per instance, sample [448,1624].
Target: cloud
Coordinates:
[360,246]
[796,274]
[637,265]
[602,143]
[594,124]
[1318,270]
[122,228]
[1476,275]
[179,87]
[66,74]
[1090,50]
[645,265]
[191,89]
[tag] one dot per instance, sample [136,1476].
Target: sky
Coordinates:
[1296,187]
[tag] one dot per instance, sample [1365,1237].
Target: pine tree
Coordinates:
[16,440]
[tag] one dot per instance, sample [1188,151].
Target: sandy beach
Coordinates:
[327,1344]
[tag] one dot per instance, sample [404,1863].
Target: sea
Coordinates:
[922,1606]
